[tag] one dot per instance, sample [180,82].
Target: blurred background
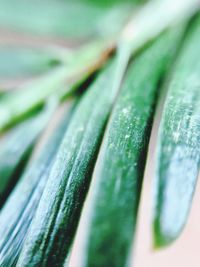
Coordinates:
[36,35]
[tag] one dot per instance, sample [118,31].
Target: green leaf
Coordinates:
[18,211]
[115,190]
[178,153]
[60,206]
[16,148]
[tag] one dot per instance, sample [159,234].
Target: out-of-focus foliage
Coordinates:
[71,19]
[17,62]
[60,82]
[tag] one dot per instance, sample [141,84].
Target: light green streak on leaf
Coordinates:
[18,104]
[155,17]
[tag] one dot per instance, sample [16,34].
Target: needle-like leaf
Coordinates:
[178,158]
[56,219]
[115,191]
[17,214]
[16,147]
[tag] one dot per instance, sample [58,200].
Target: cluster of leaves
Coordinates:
[80,83]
